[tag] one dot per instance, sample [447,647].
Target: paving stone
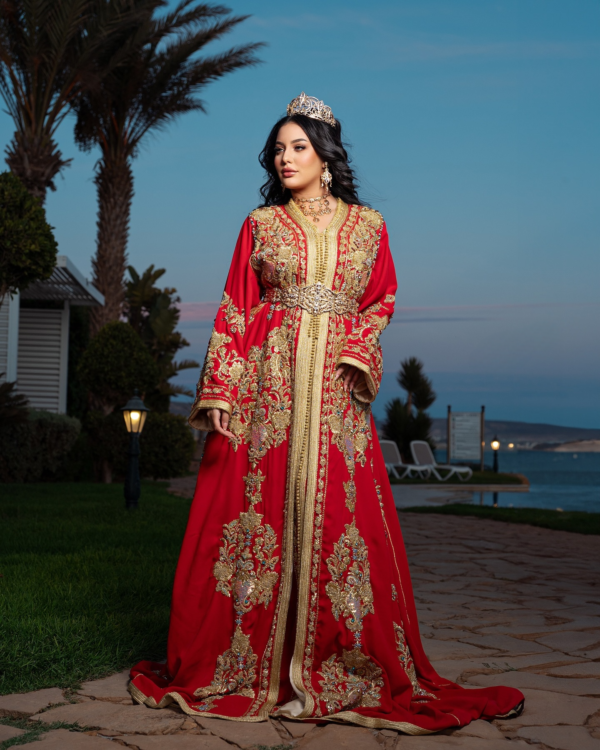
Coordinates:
[124,719]
[242,733]
[297,728]
[579,669]
[507,644]
[545,708]
[175,742]
[113,688]
[442,650]
[7,733]
[479,728]
[339,737]
[441,742]
[564,738]
[62,739]
[538,682]
[22,705]
[570,640]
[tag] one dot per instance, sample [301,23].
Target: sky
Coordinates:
[473,127]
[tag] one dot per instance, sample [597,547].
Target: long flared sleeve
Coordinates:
[362,348]
[224,363]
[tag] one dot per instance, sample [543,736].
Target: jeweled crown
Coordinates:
[311,107]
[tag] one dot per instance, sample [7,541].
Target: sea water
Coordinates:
[569,481]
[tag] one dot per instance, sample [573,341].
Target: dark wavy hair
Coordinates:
[327,142]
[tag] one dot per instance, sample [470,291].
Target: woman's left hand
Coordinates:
[352,377]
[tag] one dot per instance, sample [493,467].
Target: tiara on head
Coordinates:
[311,107]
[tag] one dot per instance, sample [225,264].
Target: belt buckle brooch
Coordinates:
[315,299]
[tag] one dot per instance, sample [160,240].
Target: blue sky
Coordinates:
[474,129]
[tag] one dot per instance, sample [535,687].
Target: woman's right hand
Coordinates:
[219,420]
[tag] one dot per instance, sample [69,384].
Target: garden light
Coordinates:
[495,446]
[134,413]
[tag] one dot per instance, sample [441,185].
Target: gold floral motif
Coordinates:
[253,491]
[408,665]
[229,314]
[350,490]
[350,681]
[264,409]
[235,672]
[350,588]
[275,256]
[246,565]
[394,593]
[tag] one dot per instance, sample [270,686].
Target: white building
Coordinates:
[34,341]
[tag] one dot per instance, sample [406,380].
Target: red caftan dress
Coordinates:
[292,595]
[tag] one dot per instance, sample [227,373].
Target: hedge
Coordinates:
[166,443]
[36,448]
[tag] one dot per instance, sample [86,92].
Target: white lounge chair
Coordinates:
[393,462]
[423,456]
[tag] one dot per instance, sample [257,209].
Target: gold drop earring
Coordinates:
[326,178]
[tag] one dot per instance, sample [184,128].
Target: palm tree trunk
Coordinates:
[114,181]
[35,160]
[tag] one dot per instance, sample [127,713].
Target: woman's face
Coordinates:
[297,163]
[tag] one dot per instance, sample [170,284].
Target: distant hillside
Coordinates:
[522,433]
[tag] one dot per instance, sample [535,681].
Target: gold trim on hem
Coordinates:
[174,697]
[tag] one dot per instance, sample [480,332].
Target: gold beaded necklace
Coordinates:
[314,207]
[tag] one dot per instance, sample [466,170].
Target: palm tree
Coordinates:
[154,314]
[49,51]
[157,81]
[410,378]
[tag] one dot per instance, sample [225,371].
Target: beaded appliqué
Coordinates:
[350,588]
[350,681]
[235,672]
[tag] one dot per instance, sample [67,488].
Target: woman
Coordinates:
[292,595]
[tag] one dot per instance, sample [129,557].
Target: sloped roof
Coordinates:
[66,283]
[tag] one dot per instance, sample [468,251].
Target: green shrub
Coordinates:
[36,448]
[27,245]
[114,364]
[166,444]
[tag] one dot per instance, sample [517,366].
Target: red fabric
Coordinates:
[293,551]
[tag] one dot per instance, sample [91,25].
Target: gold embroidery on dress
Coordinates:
[350,681]
[264,409]
[231,315]
[246,565]
[408,665]
[350,588]
[394,593]
[235,672]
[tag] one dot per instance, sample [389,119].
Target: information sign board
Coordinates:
[465,435]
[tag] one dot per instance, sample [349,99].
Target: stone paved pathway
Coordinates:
[498,604]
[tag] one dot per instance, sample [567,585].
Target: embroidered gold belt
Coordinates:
[315,298]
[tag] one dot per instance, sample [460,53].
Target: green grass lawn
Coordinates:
[580,522]
[479,477]
[85,585]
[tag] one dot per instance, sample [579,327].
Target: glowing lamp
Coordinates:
[134,413]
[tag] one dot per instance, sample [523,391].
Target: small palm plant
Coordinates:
[154,314]
[158,81]
[408,420]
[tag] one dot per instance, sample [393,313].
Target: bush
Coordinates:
[36,448]
[27,245]
[166,444]
[114,364]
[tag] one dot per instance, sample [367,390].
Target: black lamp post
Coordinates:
[134,413]
[495,447]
